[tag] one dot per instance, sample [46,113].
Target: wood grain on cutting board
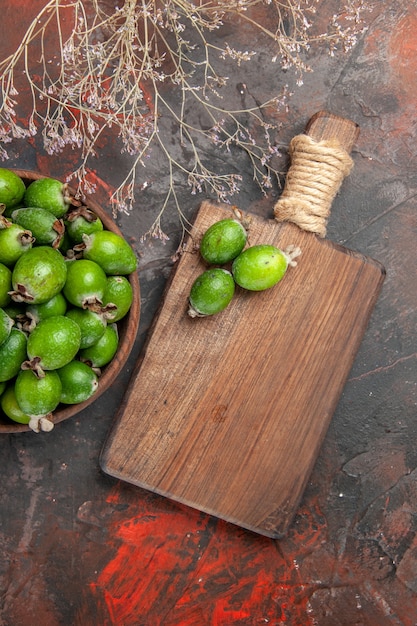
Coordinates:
[227,413]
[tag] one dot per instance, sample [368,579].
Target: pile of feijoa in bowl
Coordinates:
[63,289]
[255,268]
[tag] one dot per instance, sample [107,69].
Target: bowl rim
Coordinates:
[128,330]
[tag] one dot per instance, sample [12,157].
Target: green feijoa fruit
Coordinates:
[211,292]
[53,343]
[57,305]
[50,194]
[14,242]
[44,226]
[5,285]
[38,275]
[66,244]
[259,267]
[82,221]
[11,407]
[85,283]
[79,382]
[6,324]
[15,310]
[12,188]
[12,354]
[91,323]
[119,293]
[103,350]
[223,241]
[110,251]
[38,397]
[7,211]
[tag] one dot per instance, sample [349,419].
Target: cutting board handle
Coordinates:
[320,160]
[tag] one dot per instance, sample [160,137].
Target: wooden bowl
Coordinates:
[127,328]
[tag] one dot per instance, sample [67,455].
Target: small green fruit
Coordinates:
[57,305]
[259,267]
[5,285]
[103,350]
[12,188]
[92,325]
[120,293]
[111,252]
[44,226]
[211,292]
[53,343]
[38,275]
[12,354]
[14,242]
[11,407]
[223,241]
[66,244]
[50,194]
[79,382]
[82,221]
[85,283]
[35,396]
[6,324]
[15,310]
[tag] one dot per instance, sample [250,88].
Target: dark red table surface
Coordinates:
[80,548]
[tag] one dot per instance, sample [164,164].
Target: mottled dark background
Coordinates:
[77,547]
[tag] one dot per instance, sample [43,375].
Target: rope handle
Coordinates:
[320,161]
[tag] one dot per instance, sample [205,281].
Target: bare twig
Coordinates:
[113,68]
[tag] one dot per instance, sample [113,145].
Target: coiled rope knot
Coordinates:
[316,173]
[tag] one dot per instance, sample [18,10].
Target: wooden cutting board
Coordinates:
[227,413]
